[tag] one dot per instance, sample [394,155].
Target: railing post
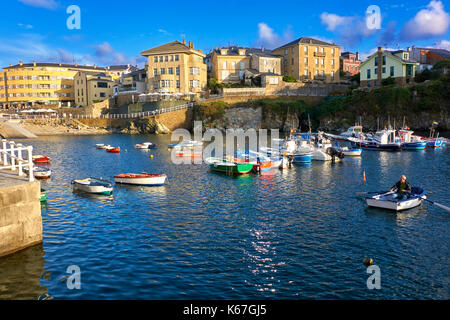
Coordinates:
[5,157]
[20,159]
[30,164]
[13,160]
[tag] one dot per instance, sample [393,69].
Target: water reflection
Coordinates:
[20,274]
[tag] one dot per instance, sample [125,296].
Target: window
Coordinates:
[332,62]
[177,57]
[384,60]
[242,65]
[316,61]
[163,70]
[155,85]
[155,59]
[233,64]
[392,71]
[166,58]
[194,83]
[102,84]
[102,95]
[171,58]
[368,73]
[316,72]
[376,61]
[384,69]
[376,71]
[155,72]
[332,74]
[409,70]
[292,61]
[161,59]
[170,70]
[177,70]
[292,50]
[178,84]
[224,64]
[322,50]
[305,49]
[306,60]
[322,62]
[316,49]
[195,71]
[305,73]
[322,73]
[286,51]
[332,51]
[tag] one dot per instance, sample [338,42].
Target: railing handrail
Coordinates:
[16,160]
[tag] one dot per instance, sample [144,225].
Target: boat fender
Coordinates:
[368,262]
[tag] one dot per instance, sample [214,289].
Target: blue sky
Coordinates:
[115,32]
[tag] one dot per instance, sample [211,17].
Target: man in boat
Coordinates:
[402,187]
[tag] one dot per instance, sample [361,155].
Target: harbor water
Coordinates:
[301,233]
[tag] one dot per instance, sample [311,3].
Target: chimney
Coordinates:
[380,49]
[408,49]
[20,63]
[191,45]
[34,63]
[184,41]
[262,48]
[357,55]
[95,66]
[60,64]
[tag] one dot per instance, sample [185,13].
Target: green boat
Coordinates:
[228,167]
[43,195]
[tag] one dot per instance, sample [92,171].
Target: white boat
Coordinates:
[102,146]
[354,152]
[145,145]
[142,179]
[353,132]
[390,201]
[93,185]
[39,172]
[323,150]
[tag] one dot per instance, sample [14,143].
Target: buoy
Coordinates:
[151,156]
[364,176]
[368,262]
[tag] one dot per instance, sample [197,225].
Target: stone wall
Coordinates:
[20,217]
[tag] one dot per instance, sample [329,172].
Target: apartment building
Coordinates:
[176,68]
[384,64]
[42,83]
[92,87]
[231,64]
[310,59]
[349,63]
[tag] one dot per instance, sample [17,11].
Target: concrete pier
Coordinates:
[20,213]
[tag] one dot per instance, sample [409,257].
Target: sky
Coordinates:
[115,32]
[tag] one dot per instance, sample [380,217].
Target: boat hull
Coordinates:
[94,189]
[390,202]
[303,158]
[414,145]
[379,147]
[141,180]
[228,167]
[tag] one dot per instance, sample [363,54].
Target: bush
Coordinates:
[214,85]
[388,81]
[289,78]
[213,110]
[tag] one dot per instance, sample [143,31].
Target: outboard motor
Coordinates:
[335,153]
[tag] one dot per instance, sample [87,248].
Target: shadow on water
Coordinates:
[24,270]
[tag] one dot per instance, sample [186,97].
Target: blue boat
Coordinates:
[414,145]
[303,157]
[434,143]
[409,141]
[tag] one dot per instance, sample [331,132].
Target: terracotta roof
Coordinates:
[307,40]
[171,47]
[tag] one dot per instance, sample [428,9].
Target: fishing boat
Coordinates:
[324,151]
[186,144]
[350,152]
[303,156]
[260,161]
[229,167]
[384,140]
[145,145]
[142,179]
[43,196]
[433,143]
[113,150]
[39,173]
[409,141]
[93,185]
[39,159]
[390,201]
[102,146]
[353,132]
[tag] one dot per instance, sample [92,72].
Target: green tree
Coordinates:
[289,78]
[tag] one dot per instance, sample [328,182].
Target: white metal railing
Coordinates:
[10,160]
[103,116]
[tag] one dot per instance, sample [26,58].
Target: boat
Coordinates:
[39,159]
[350,152]
[145,145]
[93,185]
[384,140]
[324,151]
[142,179]
[43,196]
[102,146]
[113,150]
[352,132]
[260,161]
[186,144]
[303,157]
[39,173]
[409,141]
[433,143]
[229,167]
[187,153]
[389,201]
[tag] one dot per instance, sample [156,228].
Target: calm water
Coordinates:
[297,234]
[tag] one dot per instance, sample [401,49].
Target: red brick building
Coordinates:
[429,56]
[349,63]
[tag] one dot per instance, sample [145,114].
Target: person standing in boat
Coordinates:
[402,188]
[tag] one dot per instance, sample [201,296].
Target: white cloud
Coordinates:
[332,21]
[269,39]
[26,26]
[443,44]
[365,55]
[47,4]
[429,22]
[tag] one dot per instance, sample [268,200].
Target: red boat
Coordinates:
[113,150]
[41,159]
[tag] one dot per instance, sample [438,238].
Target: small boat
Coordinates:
[102,146]
[93,185]
[145,145]
[187,153]
[38,159]
[113,150]
[303,157]
[39,173]
[409,141]
[384,140]
[43,196]
[350,152]
[434,143]
[186,144]
[229,167]
[389,200]
[143,179]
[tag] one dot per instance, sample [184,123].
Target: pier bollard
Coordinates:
[19,160]
[13,154]
[30,163]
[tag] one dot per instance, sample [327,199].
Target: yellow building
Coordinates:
[229,65]
[43,83]
[310,59]
[92,87]
[176,68]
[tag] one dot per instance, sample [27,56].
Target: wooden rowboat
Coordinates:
[102,146]
[143,179]
[39,173]
[94,186]
[228,167]
[113,150]
[38,159]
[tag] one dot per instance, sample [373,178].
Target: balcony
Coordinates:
[319,54]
